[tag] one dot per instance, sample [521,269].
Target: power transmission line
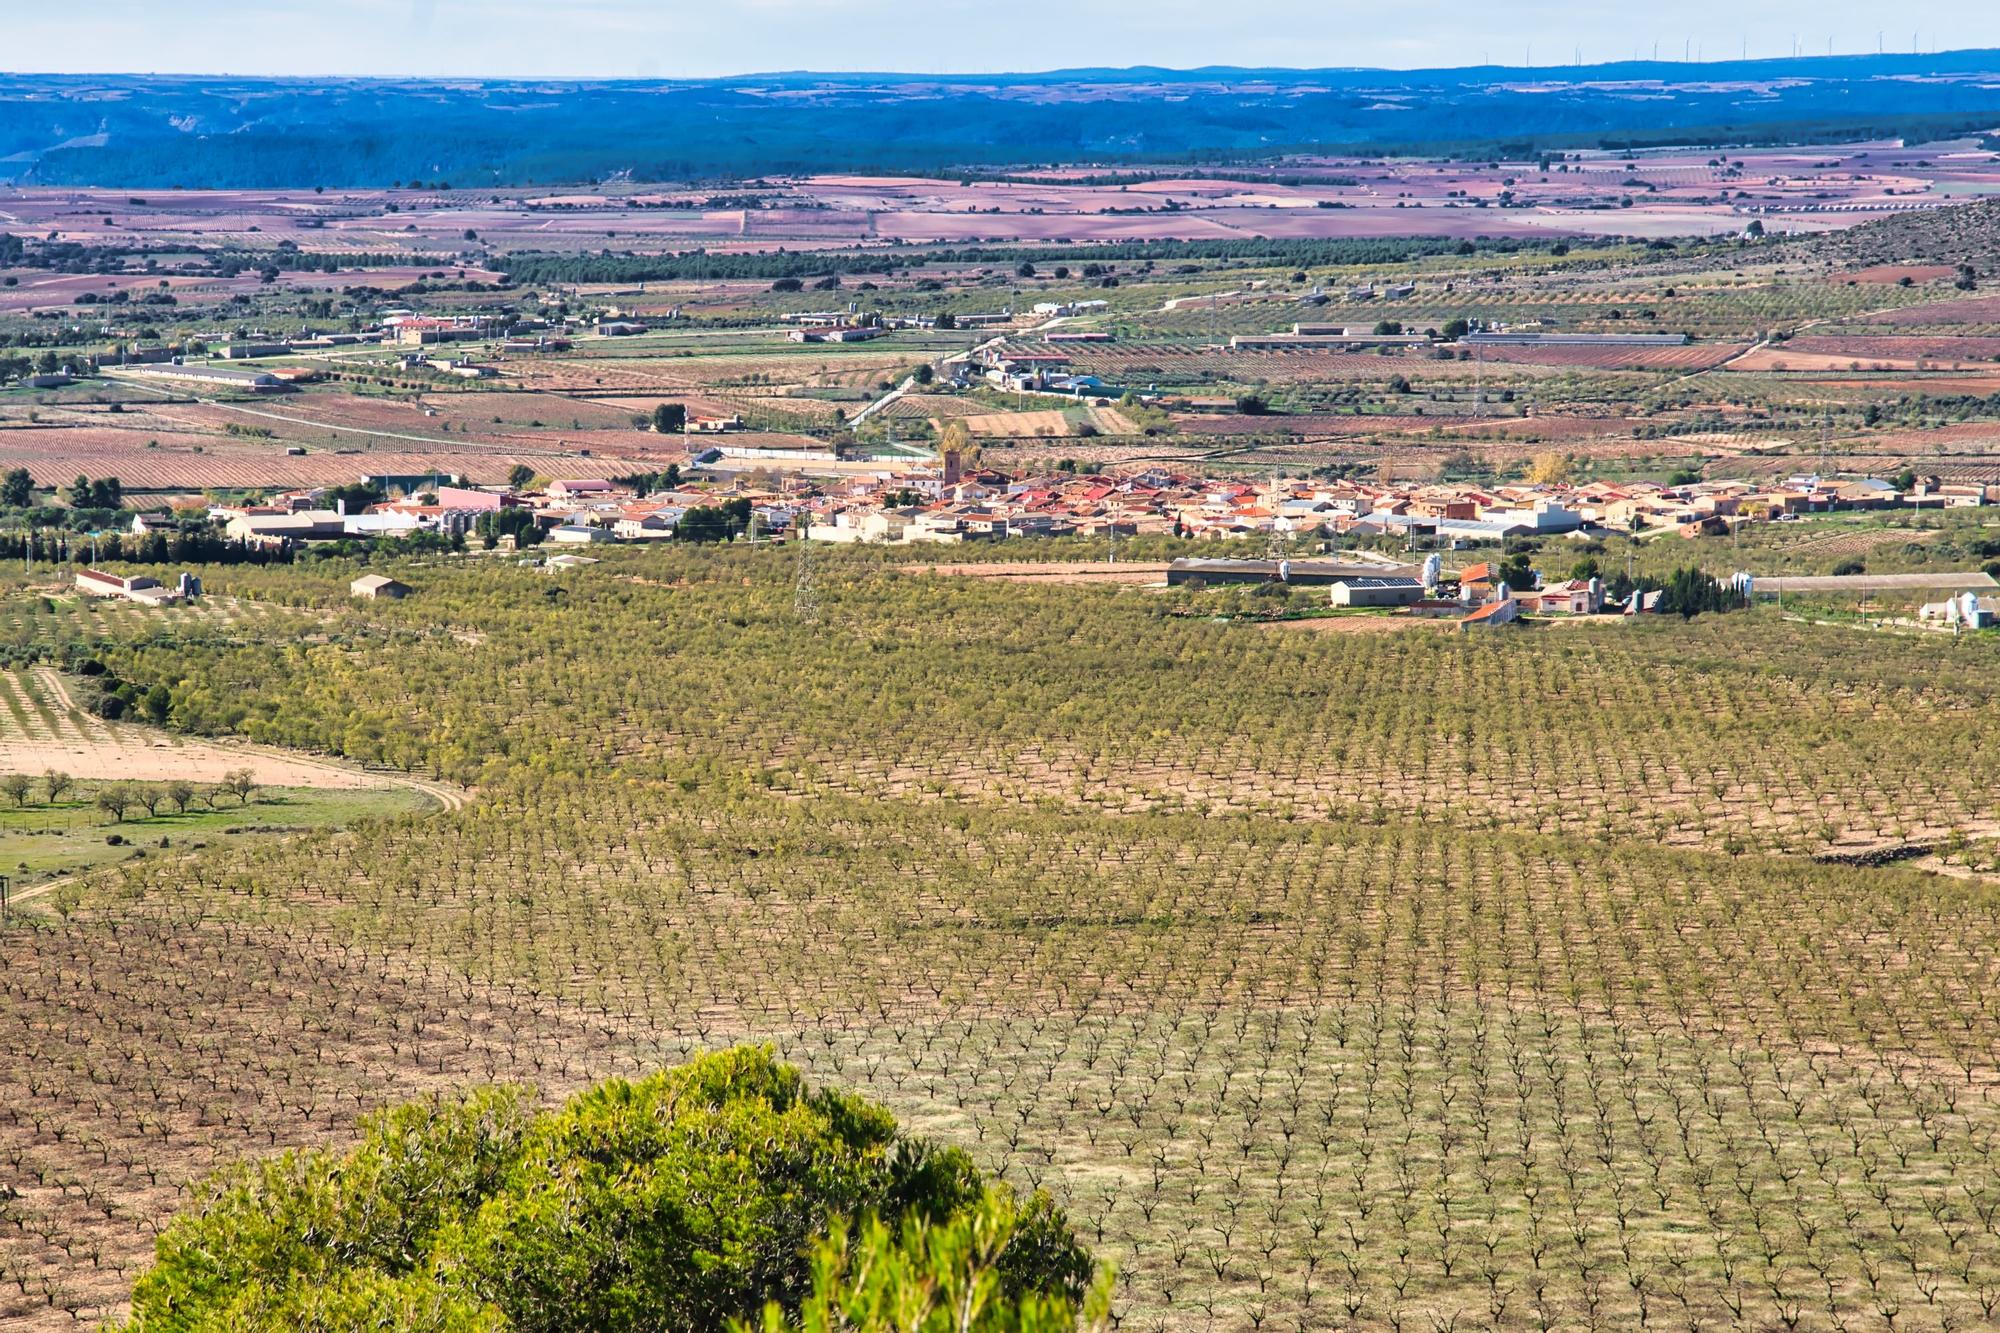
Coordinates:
[805,591]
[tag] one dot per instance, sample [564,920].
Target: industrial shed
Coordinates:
[1393,590]
[1296,573]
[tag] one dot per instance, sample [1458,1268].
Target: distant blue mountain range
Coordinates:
[160,131]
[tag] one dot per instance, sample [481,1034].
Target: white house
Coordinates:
[1968,610]
[655,526]
[1543,516]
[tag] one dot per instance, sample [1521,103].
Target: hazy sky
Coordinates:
[683,38]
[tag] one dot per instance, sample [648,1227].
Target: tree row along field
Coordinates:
[1401,983]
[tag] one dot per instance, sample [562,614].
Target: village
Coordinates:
[947,502]
[1368,545]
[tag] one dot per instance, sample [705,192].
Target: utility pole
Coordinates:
[1274,545]
[3,902]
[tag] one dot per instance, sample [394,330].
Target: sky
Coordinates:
[708,38]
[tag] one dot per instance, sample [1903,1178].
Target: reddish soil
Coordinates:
[1699,356]
[1053,573]
[1361,624]
[1894,273]
[54,455]
[1324,425]
[1973,384]
[1969,310]
[1811,352]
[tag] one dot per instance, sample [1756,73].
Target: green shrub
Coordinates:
[684,1200]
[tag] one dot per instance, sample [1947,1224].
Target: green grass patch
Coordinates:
[40,841]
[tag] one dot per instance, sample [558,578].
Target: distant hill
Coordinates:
[1968,235]
[157,132]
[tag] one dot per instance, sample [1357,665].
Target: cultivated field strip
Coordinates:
[35,706]
[1352,982]
[200,1043]
[1366,1076]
